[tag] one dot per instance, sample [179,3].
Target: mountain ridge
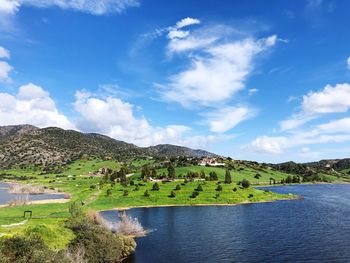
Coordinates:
[29,145]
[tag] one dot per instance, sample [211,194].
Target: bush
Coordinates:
[245,183]
[194,194]
[219,188]
[146,194]
[155,187]
[125,193]
[172,194]
[178,187]
[109,192]
[250,196]
[26,249]
[234,189]
[199,188]
[94,243]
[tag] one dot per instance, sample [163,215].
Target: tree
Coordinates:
[199,188]
[228,178]
[213,176]
[178,187]
[202,174]
[194,194]
[122,176]
[219,188]
[172,194]
[146,193]
[257,176]
[245,183]
[145,172]
[171,171]
[155,187]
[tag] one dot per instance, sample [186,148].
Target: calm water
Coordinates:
[315,229]
[6,197]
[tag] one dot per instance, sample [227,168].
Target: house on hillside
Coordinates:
[210,162]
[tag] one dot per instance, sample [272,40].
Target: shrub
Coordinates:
[199,188]
[234,189]
[178,187]
[155,187]
[26,249]
[245,183]
[109,192]
[194,194]
[250,196]
[219,188]
[146,193]
[172,194]
[125,193]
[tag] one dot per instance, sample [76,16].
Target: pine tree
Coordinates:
[228,178]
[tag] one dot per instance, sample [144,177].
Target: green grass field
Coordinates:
[240,173]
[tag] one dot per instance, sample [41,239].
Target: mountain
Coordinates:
[29,145]
[11,130]
[174,150]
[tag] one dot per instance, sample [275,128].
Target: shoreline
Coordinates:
[183,205]
[40,202]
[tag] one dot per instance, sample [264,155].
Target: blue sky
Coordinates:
[258,80]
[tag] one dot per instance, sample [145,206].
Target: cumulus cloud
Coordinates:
[335,131]
[9,7]
[224,119]
[32,105]
[332,99]
[5,70]
[4,53]
[113,117]
[95,7]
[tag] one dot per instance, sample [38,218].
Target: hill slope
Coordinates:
[28,145]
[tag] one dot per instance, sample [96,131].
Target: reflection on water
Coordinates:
[315,229]
[6,197]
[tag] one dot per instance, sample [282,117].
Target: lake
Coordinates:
[6,197]
[315,229]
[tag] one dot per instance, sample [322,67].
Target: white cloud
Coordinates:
[25,108]
[4,53]
[9,6]
[252,91]
[329,100]
[226,118]
[187,22]
[266,144]
[332,99]
[348,63]
[215,76]
[95,7]
[335,131]
[5,70]
[113,117]
[335,126]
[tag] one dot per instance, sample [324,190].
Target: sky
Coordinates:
[258,80]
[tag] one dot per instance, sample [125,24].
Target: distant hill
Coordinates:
[335,165]
[29,145]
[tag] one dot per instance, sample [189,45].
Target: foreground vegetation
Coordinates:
[92,242]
